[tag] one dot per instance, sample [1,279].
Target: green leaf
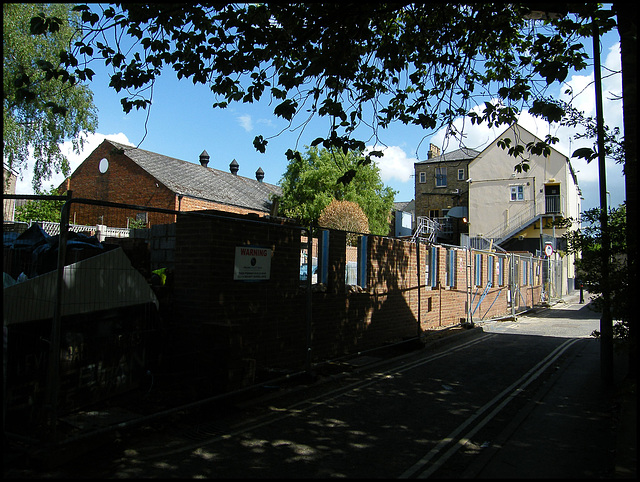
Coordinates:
[585,153]
[38,24]
[286,109]
[260,144]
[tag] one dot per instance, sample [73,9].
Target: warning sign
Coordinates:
[548,250]
[252,263]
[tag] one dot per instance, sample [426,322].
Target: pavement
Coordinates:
[568,427]
[626,401]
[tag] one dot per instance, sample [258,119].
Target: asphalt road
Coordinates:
[516,399]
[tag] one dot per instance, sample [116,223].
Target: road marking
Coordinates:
[313,402]
[506,396]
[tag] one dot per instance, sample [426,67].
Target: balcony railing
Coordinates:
[552,204]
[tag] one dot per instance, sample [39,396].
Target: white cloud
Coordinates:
[91,142]
[245,122]
[394,164]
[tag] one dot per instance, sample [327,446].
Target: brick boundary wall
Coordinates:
[233,329]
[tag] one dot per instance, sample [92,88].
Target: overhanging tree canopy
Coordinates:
[354,63]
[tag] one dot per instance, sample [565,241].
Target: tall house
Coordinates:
[442,190]
[479,199]
[521,210]
[524,211]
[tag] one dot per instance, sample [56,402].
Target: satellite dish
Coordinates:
[103,166]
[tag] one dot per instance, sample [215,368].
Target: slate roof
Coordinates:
[457,155]
[191,179]
[406,206]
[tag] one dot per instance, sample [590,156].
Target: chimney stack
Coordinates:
[434,151]
[233,167]
[204,158]
[259,174]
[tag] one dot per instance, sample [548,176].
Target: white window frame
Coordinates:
[441,179]
[460,174]
[516,193]
[423,177]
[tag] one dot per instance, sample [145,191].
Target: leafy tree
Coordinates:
[586,242]
[353,63]
[345,216]
[41,210]
[311,182]
[40,109]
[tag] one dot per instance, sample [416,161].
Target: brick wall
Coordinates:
[123,182]
[429,197]
[126,182]
[195,204]
[232,327]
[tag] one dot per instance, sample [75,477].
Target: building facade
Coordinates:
[119,173]
[492,205]
[440,186]
[519,209]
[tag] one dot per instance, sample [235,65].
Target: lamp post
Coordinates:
[606,321]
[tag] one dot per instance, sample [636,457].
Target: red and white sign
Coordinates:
[548,250]
[252,263]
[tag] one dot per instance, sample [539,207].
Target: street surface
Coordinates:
[515,399]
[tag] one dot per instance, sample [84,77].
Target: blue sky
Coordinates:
[182,123]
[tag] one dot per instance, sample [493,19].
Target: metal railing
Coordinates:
[428,226]
[102,231]
[552,204]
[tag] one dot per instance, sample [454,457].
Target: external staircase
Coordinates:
[426,227]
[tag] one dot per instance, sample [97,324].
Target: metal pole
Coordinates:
[606,322]
[309,314]
[53,377]
[417,244]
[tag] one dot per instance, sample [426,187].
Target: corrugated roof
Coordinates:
[457,155]
[190,179]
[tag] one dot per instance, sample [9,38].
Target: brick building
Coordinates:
[119,173]
[441,185]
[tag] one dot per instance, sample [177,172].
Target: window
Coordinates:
[460,174]
[431,267]
[441,176]
[490,261]
[501,271]
[517,193]
[451,267]
[423,177]
[478,270]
